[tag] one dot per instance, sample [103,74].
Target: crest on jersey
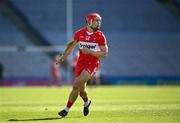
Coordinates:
[87,38]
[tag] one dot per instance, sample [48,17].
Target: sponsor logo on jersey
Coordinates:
[91,46]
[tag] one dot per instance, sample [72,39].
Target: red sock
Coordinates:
[85,99]
[69,104]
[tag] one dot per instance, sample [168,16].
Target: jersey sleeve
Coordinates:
[102,40]
[76,36]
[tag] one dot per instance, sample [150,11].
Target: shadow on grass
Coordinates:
[37,119]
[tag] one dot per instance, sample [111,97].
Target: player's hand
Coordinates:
[59,59]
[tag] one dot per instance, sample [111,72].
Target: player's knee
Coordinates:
[78,87]
[81,88]
[75,86]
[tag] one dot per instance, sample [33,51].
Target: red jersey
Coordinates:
[91,41]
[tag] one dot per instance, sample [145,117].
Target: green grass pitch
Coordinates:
[110,104]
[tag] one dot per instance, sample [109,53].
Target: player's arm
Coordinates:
[69,48]
[101,54]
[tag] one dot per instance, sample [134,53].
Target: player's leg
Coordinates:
[87,102]
[77,87]
[91,70]
[83,93]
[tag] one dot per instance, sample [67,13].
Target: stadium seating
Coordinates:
[143,37]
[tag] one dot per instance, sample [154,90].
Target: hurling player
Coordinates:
[92,47]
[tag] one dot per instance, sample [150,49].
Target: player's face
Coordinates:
[96,23]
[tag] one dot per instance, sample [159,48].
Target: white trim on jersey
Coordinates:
[90,33]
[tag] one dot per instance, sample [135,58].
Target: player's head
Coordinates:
[93,20]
